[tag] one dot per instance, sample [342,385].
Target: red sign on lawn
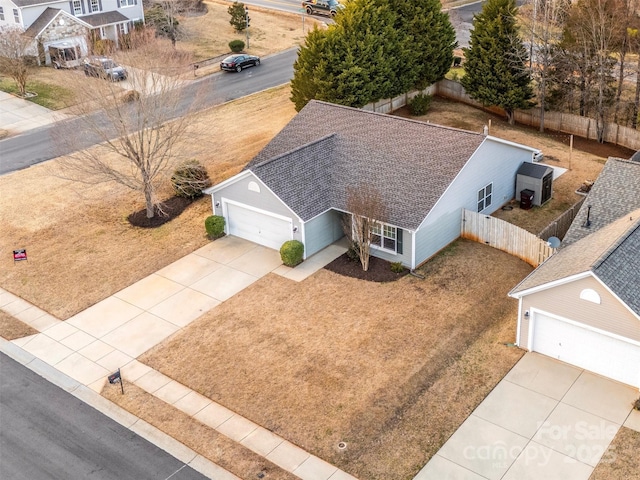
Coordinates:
[19,255]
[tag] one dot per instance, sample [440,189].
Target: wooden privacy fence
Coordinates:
[560,226]
[505,236]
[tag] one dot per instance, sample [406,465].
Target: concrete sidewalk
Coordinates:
[545,419]
[112,333]
[18,115]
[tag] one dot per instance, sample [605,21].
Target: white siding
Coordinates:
[493,162]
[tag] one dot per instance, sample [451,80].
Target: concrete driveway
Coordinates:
[18,115]
[544,420]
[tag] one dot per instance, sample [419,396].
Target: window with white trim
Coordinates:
[16,15]
[2,13]
[77,7]
[95,5]
[127,3]
[122,28]
[484,197]
[384,237]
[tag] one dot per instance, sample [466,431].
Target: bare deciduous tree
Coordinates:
[368,210]
[15,61]
[138,122]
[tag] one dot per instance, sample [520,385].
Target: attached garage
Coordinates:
[586,348]
[255,225]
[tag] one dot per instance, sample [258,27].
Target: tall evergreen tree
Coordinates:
[376,49]
[496,72]
[430,40]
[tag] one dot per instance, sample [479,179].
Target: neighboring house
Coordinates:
[66,24]
[582,305]
[295,188]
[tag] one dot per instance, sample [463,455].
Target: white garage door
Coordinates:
[593,351]
[258,227]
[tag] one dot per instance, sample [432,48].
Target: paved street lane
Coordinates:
[46,433]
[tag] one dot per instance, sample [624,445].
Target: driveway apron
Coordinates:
[544,420]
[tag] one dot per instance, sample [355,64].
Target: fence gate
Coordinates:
[505,236]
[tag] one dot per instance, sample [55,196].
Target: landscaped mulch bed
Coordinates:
[167,211]
[379,270]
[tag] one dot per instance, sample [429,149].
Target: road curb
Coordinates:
[116,413]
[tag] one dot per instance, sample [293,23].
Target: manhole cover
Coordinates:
[342,445]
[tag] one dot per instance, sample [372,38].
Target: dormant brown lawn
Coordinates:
[82,249]
[390,369]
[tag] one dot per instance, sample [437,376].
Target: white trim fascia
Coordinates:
[555,283]
[228,181]
[519,324]
[68,15]
[513,144]
[241,176]
[224,200]
[575,323]
[304,239]
[413,250]
[323,212]
[622,302]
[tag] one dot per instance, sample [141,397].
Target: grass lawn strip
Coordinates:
[221,450]
[621,460]
[336,359]
[11,328]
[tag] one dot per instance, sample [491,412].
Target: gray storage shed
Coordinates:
[537,178]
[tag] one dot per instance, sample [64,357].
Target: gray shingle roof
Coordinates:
[610,247]
[104,18]
[616,192]
[327,148]
[29,3]
[534,170]
[597,252]
[42,21]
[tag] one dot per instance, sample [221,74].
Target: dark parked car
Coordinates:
[104,67]
[238,62]
[322,7]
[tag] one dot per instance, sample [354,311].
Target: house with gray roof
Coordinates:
[425,174]
[582,305]
[60,28]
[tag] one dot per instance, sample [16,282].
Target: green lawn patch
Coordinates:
[50,96]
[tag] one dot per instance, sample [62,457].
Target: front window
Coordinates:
[77,7]
[122,28]
[95,5]
[484,197]
[384,237]
[16,15]
[127,3]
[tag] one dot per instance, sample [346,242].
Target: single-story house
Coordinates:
[296,187]
[64,25]
[582,305]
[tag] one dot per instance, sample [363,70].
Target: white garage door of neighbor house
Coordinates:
[593,351]
[257,227]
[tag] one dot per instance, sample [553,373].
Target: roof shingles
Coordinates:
[366,148]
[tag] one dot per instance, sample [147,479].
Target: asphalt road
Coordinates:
[47,433]
[40,145]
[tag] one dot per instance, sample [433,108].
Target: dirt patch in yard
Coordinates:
[81,246]
[392,369]
[12,328]
[622,458]
[206,441]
